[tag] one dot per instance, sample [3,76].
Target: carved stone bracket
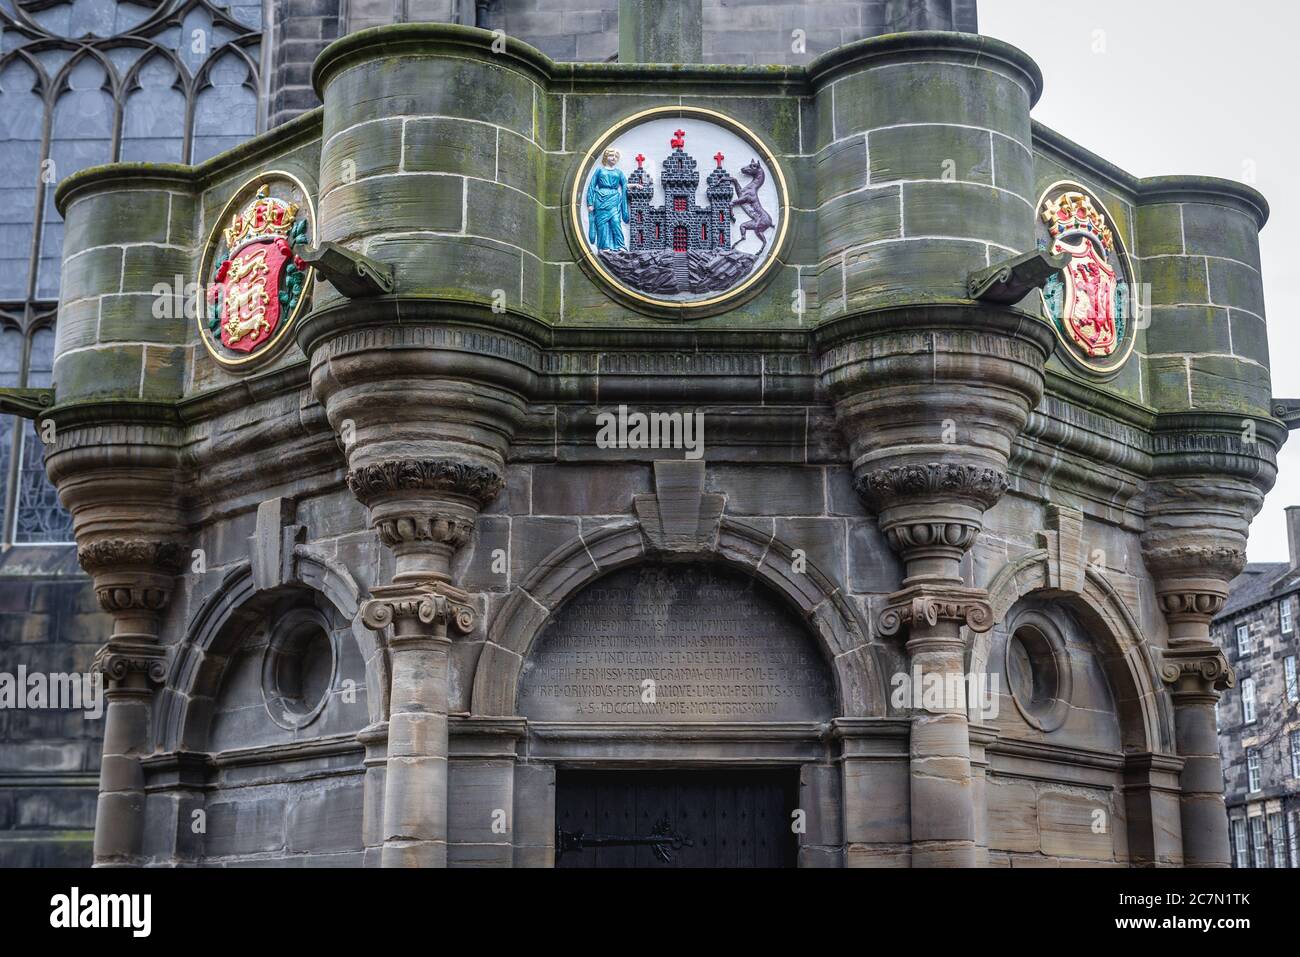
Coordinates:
[132,575]
[112,554]
[25,403]
[1012,279]
[1196,670]
[927,605]
[424,509]
[477,483]
[977,485]
[354,275]
[1189,603]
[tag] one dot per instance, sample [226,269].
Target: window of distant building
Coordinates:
[1284,614]
[1243,639]
[1277,838]
[1295,754]
[1240,850]
[1248,700]
[1253,777]
[1258,845]
[1288,670]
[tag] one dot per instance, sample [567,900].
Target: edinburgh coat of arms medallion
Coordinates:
[1090,303]
[254,282]
[679,210]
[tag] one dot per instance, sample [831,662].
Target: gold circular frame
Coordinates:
[1070,348]
[680,307]
[276,343]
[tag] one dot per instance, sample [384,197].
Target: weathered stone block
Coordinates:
[865,216]
[932,153]
[418,201]
[1160,230]
[326,820]
[768,490]
[1181,329]
[370,149]
[841,168]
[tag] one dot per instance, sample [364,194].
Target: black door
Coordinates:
[730,818]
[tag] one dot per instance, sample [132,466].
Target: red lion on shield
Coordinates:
[1090,306]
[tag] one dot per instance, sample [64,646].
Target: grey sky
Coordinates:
[1186,86]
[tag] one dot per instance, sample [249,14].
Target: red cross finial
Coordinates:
[639,160]
[718,157]
[679,139]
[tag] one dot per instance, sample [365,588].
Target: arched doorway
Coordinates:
[677,704]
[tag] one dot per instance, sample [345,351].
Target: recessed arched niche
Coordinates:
[676,643]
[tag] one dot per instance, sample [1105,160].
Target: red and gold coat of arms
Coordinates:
[1088,302]
[259,281]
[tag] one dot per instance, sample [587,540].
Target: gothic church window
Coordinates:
[86,82]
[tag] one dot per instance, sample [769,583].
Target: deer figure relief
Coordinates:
[747,201]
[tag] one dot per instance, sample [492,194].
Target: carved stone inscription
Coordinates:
[679,643]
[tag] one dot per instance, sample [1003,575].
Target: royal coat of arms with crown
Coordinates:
[258,280]
[1089,300]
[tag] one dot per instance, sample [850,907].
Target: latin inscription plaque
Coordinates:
[684,643]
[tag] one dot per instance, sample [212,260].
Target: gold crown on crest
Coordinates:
[265,217]
[1072,214]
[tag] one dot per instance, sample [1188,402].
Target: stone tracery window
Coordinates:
[85,82]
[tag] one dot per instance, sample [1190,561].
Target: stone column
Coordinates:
[415,786]
[1194,545]
[133,582]
[944,829]
[117,468]
[1196,676]
[930,431]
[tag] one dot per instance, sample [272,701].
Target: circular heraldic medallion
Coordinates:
[254,282]
[680,211]
[1090,303]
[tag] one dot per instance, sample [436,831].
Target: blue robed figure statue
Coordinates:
[607,204]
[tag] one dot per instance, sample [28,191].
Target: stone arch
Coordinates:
[834,627]
[1145,725]
[195,673]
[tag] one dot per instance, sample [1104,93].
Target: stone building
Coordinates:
[378,594]
[1259,718]
[82,84]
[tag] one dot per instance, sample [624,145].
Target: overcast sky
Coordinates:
[1186,86]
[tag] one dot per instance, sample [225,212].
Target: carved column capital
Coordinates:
[979,486]
[424,509]
[1196,672]
[418,611]
[132,575]
[926,606]
[1191,578]
[132,667]
[472,481]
